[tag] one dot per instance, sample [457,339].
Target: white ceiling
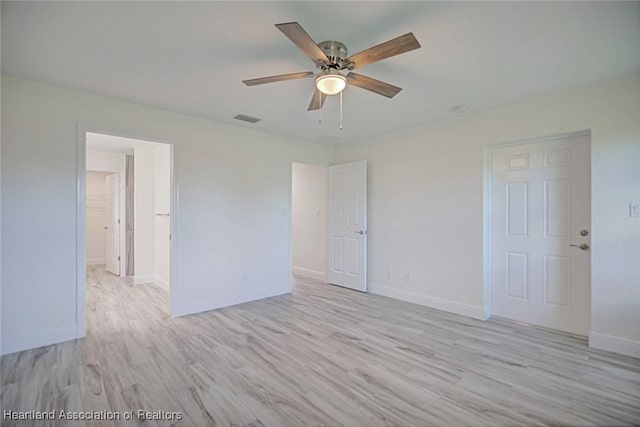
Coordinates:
[191,57]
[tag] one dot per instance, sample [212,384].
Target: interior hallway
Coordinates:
[323,355]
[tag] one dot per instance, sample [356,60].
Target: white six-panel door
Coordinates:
[347,243]
[541,207]
[112,183]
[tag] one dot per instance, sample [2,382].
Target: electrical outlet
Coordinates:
[634,209]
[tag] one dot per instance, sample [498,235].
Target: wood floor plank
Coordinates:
[323,355]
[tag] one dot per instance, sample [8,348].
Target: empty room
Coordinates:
[320,213]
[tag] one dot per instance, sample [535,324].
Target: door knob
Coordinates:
[360,232]
[105,227]
[582,246]
[584,233]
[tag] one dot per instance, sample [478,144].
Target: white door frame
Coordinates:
[81,231]
[486,202]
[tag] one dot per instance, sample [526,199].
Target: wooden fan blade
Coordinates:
[278,78]
[382,51]
[317,102]
[373,85]
[299,36]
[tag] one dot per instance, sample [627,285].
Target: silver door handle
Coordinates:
[106,228]
[360,232]
[582,246]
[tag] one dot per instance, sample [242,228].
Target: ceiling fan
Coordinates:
[330,57]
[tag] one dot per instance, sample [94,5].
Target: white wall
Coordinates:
[143,213]
[426,203]
[102,161]
[309,219]
[96,218]
[162,205]
[233,219]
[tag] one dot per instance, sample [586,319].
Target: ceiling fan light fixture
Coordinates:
[331,83]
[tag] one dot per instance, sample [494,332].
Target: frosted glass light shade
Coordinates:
[331,83]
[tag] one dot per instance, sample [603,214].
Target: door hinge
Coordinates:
[169,236]
[118,221]
[118,257]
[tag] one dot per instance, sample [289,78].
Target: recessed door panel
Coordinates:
[517,273]
[353,245]
[517,162]
[339,210]
[557,208]
[517,209]
[354,205]
[557,280]
[556,158]
[337,251]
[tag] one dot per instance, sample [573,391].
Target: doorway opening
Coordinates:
[129,205]
[309,221]
[329,223]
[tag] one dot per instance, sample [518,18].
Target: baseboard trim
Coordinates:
[476,312]
[313,274]
[486,312]
[202,306]
[96,261]
[142,278]
[614,344]
[164,284]
[40,339]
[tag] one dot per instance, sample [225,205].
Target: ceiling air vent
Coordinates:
[246,118]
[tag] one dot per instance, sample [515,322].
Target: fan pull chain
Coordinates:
[320,106]
[340,110]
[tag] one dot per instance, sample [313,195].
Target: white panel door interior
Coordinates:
[540,233]
[112,183]
[347,245]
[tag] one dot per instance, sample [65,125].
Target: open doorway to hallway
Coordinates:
[128,215]
[309,220]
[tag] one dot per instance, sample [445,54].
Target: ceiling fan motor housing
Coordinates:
[335,51]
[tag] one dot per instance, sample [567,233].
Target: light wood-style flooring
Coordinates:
[322,356]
